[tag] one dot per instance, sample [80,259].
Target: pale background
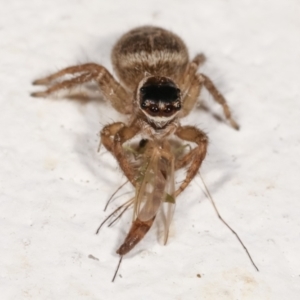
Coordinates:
[54,184]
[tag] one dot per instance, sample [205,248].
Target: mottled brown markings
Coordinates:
[148,49]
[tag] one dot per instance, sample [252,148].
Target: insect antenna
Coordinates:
[115,192]
[110,215]
[120,215]
[99,146]
[226,224]
[116,272]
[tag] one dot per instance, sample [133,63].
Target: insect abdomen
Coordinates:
[137,231]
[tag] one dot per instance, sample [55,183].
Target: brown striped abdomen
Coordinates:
[148,50]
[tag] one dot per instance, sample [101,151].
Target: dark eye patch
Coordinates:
[164,93]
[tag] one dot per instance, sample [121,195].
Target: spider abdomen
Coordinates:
[146,51]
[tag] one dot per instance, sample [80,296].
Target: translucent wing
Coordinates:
[169,200]
[154,185]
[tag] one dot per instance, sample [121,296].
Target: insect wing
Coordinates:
[151,192]
[169,201]
[144,177]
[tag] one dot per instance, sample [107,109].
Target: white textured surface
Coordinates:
[53,184]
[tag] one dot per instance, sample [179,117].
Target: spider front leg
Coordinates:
[108,133]
[199,59]
[113,137]
[218,97]
[192,87]
[193,158]
[85,73]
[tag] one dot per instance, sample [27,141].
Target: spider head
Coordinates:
[159,99]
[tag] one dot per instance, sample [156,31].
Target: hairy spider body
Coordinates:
[158,85]
[149,51]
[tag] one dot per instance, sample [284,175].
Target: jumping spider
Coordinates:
[157,86]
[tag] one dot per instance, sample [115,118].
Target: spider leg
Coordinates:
[195,157]
[64,85]
[120,99]
[185,160]
[219,98]
[107,134]
[85,68]
[191,88]
[191,85]
[199,59]
[113,137]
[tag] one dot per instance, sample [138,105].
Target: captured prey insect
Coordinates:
[155,186]
[158,85]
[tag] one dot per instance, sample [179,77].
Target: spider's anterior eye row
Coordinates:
[154,109]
